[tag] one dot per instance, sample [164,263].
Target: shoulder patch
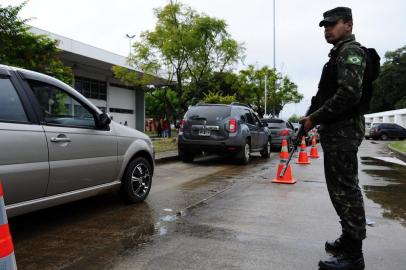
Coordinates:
[354,59]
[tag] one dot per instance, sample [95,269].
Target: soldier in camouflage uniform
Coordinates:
[341,132]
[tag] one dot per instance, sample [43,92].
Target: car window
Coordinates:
[256,119]
[276,125]
[11,108]
[210,113]
[249,117]
[59,108]
[242,116]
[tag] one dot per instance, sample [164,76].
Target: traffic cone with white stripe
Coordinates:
[288,177]
[313,150]
[7,257]
[303,158]
[284,150]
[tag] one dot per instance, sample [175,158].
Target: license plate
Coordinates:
[204,132]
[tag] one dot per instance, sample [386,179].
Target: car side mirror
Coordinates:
[104,120]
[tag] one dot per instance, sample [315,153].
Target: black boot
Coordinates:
[349,258]
[335,247]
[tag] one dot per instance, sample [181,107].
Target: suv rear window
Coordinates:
[275,124]
[210,113]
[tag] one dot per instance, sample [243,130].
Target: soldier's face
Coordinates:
[334,32]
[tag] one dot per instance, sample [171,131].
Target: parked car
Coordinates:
[233,130]
[385,131]
[57,147]
[368,127]
[313,132]
[280,130]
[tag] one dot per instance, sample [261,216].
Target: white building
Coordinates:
[395,116]
[93,77]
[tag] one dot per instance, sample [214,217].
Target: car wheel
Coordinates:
[266,152]
[186,157]
[384,137]
[245,154]
[137,180]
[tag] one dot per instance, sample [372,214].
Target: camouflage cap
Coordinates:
[335,14]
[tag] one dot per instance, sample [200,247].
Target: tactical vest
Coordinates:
[328,85]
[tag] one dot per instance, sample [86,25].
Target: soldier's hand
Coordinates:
[307,124]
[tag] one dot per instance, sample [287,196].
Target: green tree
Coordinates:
[390,88]
[252,90]
[215,97]
[295,118]
[162,103]
[21,48]
[185,48]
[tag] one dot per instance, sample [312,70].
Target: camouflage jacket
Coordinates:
[340,90]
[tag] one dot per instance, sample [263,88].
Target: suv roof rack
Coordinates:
[209,104]
[240,104]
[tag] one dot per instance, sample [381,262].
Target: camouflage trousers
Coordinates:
[341,171]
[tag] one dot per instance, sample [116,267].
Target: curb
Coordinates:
[402,154]
[170,158]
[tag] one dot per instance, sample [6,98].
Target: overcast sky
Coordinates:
[301,49]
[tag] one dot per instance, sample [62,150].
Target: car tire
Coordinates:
[245,153]
[186,157]
[266,152]
[137,180]
[384,137]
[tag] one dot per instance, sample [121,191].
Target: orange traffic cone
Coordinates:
[288,177]
[303,158]
[313,150]
[7,257]
[284,151]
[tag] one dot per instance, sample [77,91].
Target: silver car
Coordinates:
[57,147]
[280,130]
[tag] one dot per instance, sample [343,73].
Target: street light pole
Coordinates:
[274,49]
[274,39]
[266,78]
[130,38]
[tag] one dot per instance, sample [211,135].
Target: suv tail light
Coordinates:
[285,132]
[181,126]
[232,124]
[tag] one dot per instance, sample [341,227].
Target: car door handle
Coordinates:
[63,139]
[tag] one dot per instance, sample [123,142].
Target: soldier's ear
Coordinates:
[348,25]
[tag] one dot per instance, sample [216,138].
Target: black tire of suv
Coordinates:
[244,157]
[384,137]
[127,192]
[186,157]
[266,152]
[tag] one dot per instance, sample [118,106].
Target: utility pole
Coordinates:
[130,38]
[266,78]
[274,49]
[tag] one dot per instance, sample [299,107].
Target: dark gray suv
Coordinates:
[233,130]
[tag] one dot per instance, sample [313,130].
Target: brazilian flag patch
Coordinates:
[354,59]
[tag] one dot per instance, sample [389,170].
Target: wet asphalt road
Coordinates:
[214,214]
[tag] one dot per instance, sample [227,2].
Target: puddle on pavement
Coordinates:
[88,234]
[390,188]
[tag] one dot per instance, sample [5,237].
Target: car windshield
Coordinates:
[209,113]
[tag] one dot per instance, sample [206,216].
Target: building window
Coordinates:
[118,110]
[91,88]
